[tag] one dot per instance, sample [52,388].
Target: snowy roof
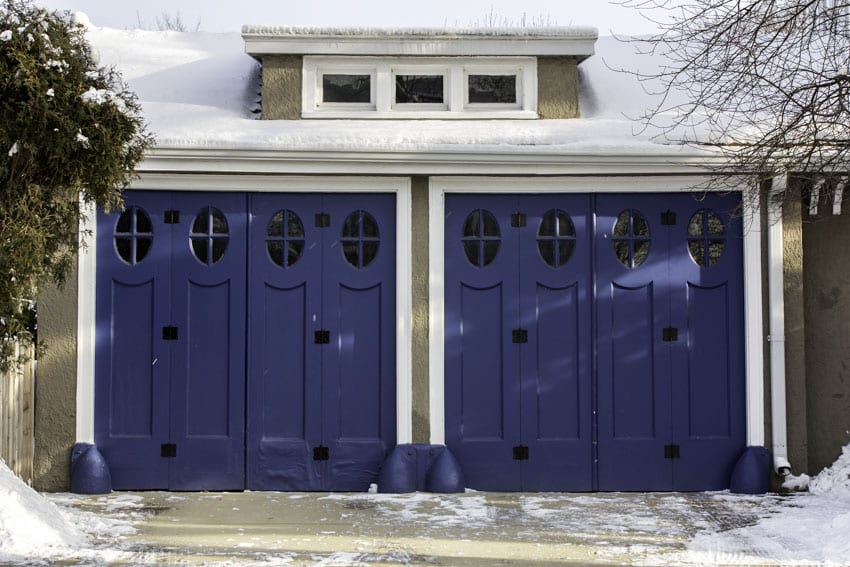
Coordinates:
[200,90]
[574,41]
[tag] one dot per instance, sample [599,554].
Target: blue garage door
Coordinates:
[594,342]
[322,333]
[170,354]
[518,340]
[202,297]
[670,341]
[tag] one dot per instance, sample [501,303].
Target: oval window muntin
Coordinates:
[706,238]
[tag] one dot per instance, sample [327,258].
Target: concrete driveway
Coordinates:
[475,529]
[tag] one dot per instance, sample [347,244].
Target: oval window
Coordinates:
[285,238]
[209,235]
[360,239]
[133,235]
[706,238]
[556,238]
[481,237]
[631,239]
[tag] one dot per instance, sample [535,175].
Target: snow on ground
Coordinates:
[808,529]
[36,529]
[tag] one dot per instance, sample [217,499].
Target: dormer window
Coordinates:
[417,73]
[419,87]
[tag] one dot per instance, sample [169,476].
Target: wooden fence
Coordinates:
[17,411]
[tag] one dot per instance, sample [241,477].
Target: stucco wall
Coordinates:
[421,421]
[826,292]
[557,87]
[282,87]
[56,387]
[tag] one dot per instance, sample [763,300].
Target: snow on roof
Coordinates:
[200,90]
[582,32]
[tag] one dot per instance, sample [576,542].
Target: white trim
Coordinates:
[436,312]
[401,186]
[753,323]
[382,102]
[225,160]
[439,186]
[404,313]
[86,269]
[776,325]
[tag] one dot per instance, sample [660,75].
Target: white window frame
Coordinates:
[454,70]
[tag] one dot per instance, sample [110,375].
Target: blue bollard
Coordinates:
[89,472]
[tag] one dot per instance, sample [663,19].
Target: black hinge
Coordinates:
[518,220]
[668,218]
[168,450]
[322,337]
[321,453]
[323,220]
[519,336]
[671,451]
[172,217]
[670,334]
[520,453]
[169,333]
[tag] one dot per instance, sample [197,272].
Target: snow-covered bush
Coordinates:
[68,129]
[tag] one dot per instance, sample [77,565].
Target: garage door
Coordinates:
[322,341]
[171,341]
[205,309]
[594,342]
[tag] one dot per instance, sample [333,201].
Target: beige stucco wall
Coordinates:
[56,387]
[282,87]
[826,294]
[421,421]
[557,87]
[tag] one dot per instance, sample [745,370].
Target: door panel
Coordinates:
[284,363]
[208,368]
[132,363]
[708,383]
[482,363]
[358,366]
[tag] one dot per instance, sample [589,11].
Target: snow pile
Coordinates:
[834,481]
[808,529]
[30,526]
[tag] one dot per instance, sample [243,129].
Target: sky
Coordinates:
[218,15]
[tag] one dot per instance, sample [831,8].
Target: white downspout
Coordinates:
[776,338]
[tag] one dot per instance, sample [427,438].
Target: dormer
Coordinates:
[522,73]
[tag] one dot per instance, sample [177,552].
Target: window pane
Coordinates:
[143,246]
[202,222]
[492,88]
[547,251]
[471,225]
[547,225]
[143,223]
[124,248]
[219,245]
[419,88]
[219,222]
[565,225]
[276,225]
[199,247]
[641,228]
[275,248]
[346,88]
[294,228]
[471,249]
[370,250]
[641,252]
[697,248]
[294,250]
[565,251]
[491,248]
[124,224]
[350,251]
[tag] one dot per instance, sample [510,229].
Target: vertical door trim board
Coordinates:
[400,186]
[753,310]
